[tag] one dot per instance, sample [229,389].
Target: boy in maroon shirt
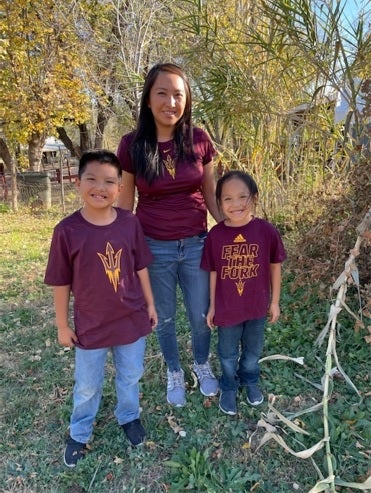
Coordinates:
[100,255]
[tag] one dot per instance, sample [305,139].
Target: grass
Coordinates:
[217,453]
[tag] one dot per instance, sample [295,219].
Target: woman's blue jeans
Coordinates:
[89,375]
[178,261]
[239,350]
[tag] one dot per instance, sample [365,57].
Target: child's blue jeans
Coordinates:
[89,376]
[239,350]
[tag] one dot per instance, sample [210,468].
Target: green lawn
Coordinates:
[214,452]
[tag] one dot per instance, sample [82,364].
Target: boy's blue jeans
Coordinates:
[239,350]
[178,261]
[89,376]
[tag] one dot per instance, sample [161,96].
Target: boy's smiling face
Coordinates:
[99,185]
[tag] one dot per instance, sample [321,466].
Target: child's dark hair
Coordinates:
[240,175]
[102,156]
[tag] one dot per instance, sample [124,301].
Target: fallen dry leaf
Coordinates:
[175,426]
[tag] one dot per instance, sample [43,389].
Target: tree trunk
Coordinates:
[85,141]
[10,165]
[101,125]
[14,186]
[35,151]
[74,149]
[5,154]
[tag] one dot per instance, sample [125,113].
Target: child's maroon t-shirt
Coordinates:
[241,257]
[100,263]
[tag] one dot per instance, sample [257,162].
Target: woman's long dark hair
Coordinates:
[144,151]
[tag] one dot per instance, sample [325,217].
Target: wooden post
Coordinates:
[62,181]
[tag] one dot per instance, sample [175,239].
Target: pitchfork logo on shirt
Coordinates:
[111,263]
[240,262]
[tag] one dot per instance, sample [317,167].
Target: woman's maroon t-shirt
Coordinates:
[241,257]
[100,263]
[172,206]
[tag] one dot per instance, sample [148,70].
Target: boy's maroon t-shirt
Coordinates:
[172,206]
[241,257]
[100,263]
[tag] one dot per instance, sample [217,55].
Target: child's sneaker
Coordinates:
[74,452]
[254,395]
[134,432]
[208,383]
[175,388]
[227,402]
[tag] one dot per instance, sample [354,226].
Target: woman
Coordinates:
[170,162]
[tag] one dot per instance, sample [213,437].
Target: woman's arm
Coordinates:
[148,295]
[127,195]
[208,191]
[211,312]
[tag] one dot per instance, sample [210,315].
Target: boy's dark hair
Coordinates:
[144,151]
[102,156]
[240,175]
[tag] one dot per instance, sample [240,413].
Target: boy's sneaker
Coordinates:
[227,402]
[254,395]
[208,383]
[134,432]
[74,452]
[175,388]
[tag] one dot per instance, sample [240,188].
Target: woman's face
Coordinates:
[167,100]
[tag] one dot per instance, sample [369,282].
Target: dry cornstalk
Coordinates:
[348,276]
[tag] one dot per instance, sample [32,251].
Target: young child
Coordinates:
[100,255]
[243,255]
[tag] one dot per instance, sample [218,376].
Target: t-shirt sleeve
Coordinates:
[204,142]
[123,153]
[59,267]
[210,152]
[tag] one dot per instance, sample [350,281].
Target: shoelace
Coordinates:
[176,379]
[204,371]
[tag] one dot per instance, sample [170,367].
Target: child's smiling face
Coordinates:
[99,185]
[236,202]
